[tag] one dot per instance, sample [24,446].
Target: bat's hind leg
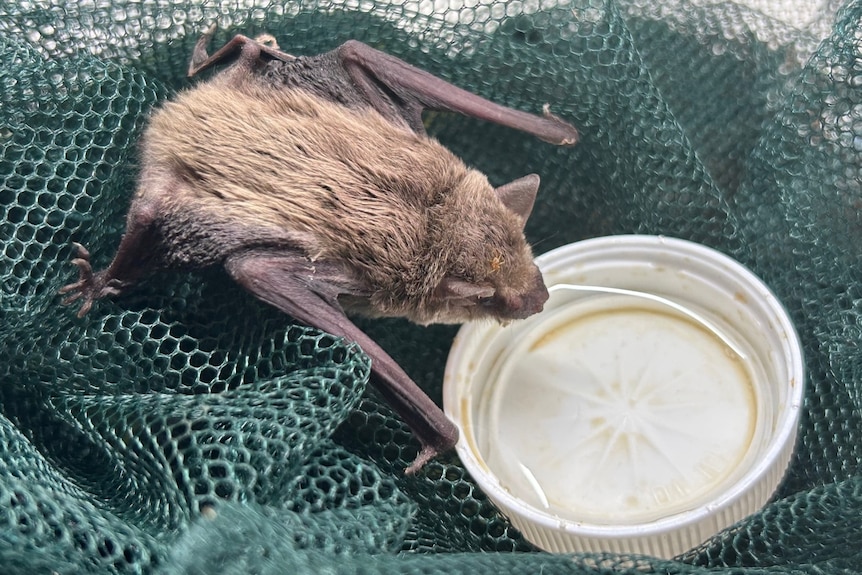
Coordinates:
[250,52]
[133,258]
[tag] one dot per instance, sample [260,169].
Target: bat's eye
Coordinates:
[487,302]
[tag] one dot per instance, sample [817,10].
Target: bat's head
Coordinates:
[490,271]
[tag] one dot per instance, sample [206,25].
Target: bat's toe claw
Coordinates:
[68,288]
[84,267]
[83,252]
[72,298]
[85,308]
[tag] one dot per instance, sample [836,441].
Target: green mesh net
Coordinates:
[186,428]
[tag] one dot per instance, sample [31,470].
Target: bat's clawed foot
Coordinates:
[90,286]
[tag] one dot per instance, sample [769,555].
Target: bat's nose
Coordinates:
[528,303]
[534,301]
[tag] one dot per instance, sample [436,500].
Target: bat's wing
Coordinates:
[308,293]
[393,86]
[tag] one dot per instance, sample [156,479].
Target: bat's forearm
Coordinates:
[435,432]
[368,67]
[289,282]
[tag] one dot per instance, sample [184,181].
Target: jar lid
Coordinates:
[653,403]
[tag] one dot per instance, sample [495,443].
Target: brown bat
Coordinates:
[313,182]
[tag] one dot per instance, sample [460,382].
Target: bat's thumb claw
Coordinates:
[425,455]
[565,133]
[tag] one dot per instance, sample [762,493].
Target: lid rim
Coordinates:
[754,486]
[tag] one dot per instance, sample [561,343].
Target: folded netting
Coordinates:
[188,428]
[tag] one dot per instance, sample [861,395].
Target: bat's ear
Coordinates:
[461,292]
[520,195]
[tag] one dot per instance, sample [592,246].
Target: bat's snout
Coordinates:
[526,304]
[533,302]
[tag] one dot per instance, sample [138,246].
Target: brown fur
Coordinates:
[228,164]
[311,179]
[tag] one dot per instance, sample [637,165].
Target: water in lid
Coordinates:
[618,410]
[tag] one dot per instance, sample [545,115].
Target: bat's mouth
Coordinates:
[524,305]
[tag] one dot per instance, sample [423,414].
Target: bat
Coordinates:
[312,181]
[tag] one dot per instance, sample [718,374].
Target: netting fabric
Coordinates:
[187,428]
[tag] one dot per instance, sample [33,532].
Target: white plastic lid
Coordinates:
[653,403]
